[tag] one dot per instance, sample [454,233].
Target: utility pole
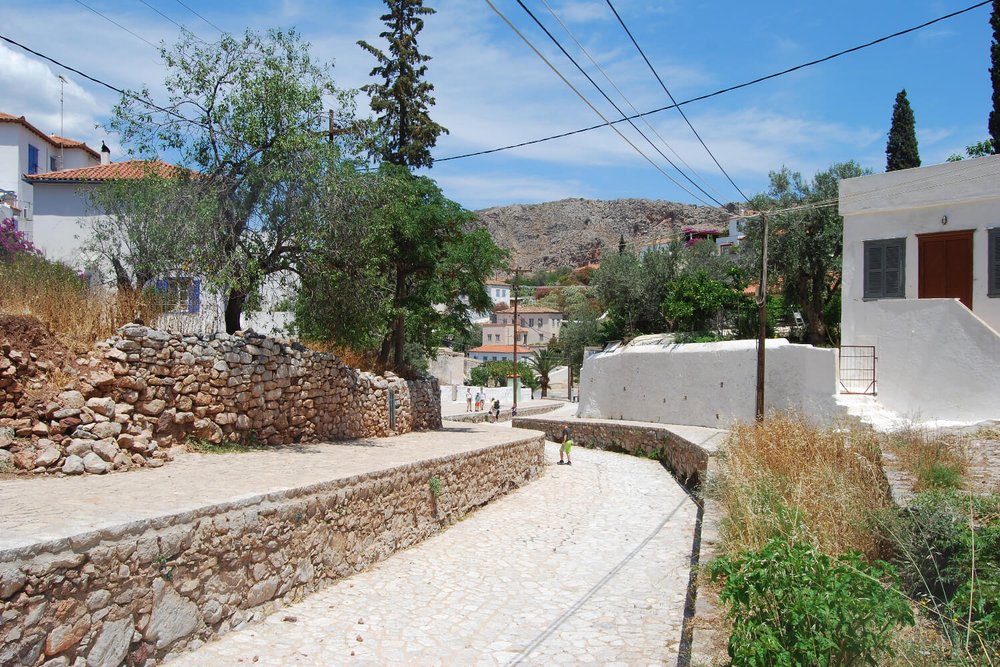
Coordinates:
[517,376]
[762,319]
[62,121]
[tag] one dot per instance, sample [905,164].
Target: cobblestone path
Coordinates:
[587,565]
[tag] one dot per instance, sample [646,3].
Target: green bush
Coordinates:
[793,605]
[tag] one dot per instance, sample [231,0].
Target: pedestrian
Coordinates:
[479,399]
[567,444]
[468,400]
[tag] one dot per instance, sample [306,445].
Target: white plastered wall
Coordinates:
[707,384]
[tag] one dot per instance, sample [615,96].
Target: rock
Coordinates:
[94,464]
[208,430]
[25,459]
[73,465]
[6,460]
[48,457]
[65,637]
[12,580]
[106,449]
[101,379]
[102,406]
[153,408]
[173,617]
[111,644]
[40,429]
[79,447]
[122,461]
[72,399]
[184,418]
[106,429]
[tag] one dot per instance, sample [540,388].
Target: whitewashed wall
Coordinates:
[706,384]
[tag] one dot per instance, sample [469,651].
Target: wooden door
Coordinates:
[945,266]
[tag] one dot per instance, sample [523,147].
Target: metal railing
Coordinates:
[857,370]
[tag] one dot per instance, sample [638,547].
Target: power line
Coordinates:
[179,25]
[673,101]
[111,20]
[706,96]
[612,103]
[588,103]
[201,17]
[607,77]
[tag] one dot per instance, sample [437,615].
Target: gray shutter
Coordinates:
[994,262]
[874,262]
[893,269]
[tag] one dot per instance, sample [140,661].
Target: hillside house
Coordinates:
[921,286]
[537,326]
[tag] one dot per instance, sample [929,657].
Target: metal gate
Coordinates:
[857,369]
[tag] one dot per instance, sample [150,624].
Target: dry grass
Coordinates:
[59,299]
[935,460]
[787,477]
[365,360]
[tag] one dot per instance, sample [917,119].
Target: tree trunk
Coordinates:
[234,310]
[383,353]
[399,324]
[122,279]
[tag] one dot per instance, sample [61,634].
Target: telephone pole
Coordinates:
[762,319]
[517,375]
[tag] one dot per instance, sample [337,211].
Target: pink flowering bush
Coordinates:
[13,242]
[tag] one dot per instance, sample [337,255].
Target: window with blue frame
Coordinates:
[32,159]
[180,294]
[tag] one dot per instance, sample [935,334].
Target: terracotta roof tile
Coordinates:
[501,349]
[130,169]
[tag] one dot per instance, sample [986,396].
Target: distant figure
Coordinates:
[496,410]
[479,400]
[567,444]
[468,400]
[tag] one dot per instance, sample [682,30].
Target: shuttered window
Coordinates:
[993,262]
[885,262]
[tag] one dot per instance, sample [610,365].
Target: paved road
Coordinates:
[587,565]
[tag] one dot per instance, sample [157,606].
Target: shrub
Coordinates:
[13,242]
[793,605]
[936,461]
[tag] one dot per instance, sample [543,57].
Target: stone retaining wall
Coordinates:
[150,388]
[140,592]
[505,416]
[687,460]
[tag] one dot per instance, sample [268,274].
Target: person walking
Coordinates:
[479,399]
[567,444]
[468,400]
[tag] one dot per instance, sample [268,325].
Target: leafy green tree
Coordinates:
[978,149]
[543,362]
[994,120]
[402,99]
[243,112]
[500,371]
[696,303]
[805,246]
[901,149]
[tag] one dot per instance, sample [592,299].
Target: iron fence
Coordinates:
[857,369]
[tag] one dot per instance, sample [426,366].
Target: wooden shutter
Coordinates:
[894,255]
[194,296]
[874,263]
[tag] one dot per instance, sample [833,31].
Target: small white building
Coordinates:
[26,150]
[500,353]
[921,285]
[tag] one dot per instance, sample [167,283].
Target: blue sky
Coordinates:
[492,90]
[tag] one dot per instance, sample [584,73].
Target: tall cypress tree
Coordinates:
[402,99]
[901,150]
[994,123]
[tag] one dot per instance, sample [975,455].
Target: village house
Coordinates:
[921,288]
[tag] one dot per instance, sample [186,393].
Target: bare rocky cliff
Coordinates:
[576,231]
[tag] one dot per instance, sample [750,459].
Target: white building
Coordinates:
[537,326]
[500,353]
[921,284]
[26,150]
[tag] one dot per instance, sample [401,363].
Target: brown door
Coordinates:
[945,266]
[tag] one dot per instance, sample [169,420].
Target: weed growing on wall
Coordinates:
[435,486]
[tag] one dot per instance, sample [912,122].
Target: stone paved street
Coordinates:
[587,565]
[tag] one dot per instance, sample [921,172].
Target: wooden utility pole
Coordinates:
[517,375]
[762,319]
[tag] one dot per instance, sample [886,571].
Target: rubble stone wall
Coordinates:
[140,592]
[151,388]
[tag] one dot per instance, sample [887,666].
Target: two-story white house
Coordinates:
[26,150]
[921,286]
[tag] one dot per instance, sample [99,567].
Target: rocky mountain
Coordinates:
[576,231]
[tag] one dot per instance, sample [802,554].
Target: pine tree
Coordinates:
[901,150]
[994,124]
[402,99]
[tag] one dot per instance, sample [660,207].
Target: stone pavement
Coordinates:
[40,509]
[587,565]
[453,409]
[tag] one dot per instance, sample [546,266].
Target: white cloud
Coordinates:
[483,190]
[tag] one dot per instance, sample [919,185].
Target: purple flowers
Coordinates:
[13,242]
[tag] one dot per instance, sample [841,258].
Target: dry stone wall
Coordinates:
[152,388]
[139,592]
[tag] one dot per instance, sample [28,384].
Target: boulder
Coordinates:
[102,406]
[173,617]
[79,447]
[72,399]
[48,456]
[206,429]
[111,645]
[106,449]
[106,429]
[153,408]
[94,464]
[73,465]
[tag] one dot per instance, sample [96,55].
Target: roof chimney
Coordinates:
[105,154]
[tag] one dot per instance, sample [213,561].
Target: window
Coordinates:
[993,263]
[885,263]
[541,321]
[541,338]
[32,159]
[179,295]
[531,321]
[52,163]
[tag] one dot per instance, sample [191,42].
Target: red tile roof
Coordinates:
[130,169]
[501,349]
[58,142]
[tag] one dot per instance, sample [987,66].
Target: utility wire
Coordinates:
[607,77]
[612,103]
[673,101]
[201,17]
[179,25]
[589,104]
[723,90]
[111,20]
